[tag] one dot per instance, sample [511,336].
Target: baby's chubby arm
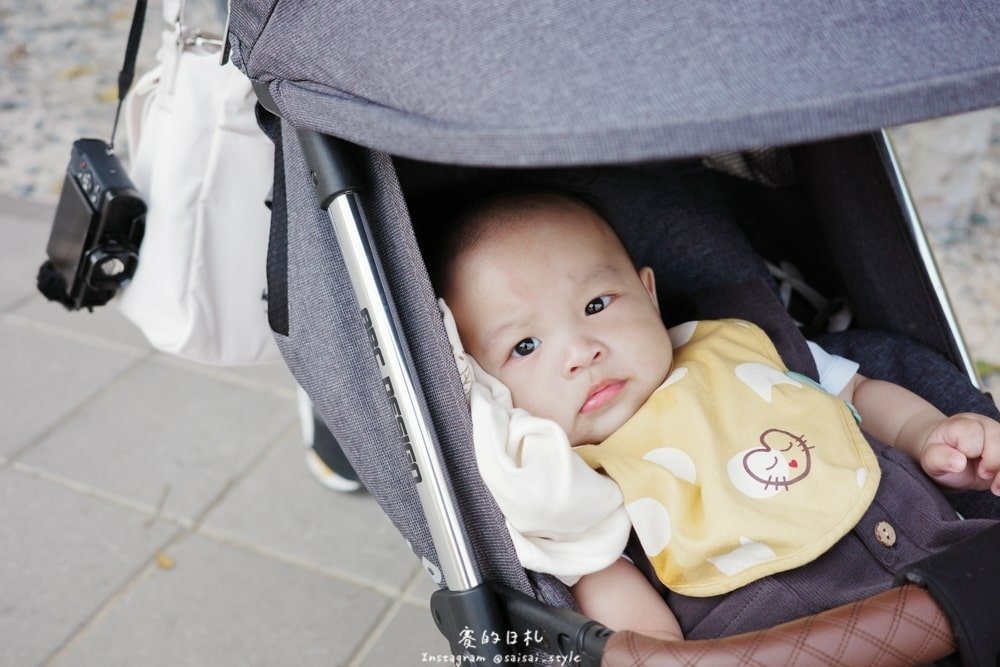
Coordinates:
[958,452]
[620,598]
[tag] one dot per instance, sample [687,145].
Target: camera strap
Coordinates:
[127,72]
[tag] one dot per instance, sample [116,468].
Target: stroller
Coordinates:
[383,113]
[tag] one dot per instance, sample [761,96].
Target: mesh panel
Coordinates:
[770,167]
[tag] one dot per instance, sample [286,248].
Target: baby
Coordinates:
[547,300]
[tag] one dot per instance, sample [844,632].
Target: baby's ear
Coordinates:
[649,282]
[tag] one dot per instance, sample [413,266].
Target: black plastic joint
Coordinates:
[468,620]
[566,633]
[263,92]
[334,164]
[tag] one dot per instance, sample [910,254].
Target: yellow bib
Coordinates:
[735,468]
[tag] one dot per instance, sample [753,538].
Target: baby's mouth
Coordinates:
[601,394]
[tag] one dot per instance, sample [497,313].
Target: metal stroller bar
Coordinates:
[923,248]
[331,166]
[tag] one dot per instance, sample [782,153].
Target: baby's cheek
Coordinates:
[519,392]
[525,398]
[534,398]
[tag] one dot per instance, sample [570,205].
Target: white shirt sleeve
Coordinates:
[834,371]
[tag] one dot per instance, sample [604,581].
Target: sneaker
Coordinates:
[325,460]
[327,477]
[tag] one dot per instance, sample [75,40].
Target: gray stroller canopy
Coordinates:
[570,82]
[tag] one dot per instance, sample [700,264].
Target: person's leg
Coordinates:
[324,459]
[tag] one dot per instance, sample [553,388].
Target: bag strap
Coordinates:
[127,72]
[174,15]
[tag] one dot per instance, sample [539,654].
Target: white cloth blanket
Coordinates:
[564,518]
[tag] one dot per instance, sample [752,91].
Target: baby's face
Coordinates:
[553,307]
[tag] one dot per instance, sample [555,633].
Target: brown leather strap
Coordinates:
[902,626]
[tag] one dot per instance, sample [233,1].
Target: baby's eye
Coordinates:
[597,305]
[525,347]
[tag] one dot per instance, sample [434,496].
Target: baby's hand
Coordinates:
[963,452]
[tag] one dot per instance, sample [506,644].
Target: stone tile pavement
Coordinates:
[156,512]
[152,511]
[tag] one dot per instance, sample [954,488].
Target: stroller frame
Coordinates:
[469,600]
[923,248]
[330,161]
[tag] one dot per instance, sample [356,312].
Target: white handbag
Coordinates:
[205,170]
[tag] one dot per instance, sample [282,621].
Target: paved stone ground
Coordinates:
[156,512]
[152,511]
[953,168]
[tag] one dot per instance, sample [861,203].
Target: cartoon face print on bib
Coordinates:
[782,459]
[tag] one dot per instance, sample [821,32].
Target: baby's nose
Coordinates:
[582,354]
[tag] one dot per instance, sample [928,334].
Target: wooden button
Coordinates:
[885,534]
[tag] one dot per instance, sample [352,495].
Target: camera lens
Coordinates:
[112,266]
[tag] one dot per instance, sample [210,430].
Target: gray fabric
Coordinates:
[586,81]
[863,229]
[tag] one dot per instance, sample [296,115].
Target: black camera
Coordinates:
[99,223]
